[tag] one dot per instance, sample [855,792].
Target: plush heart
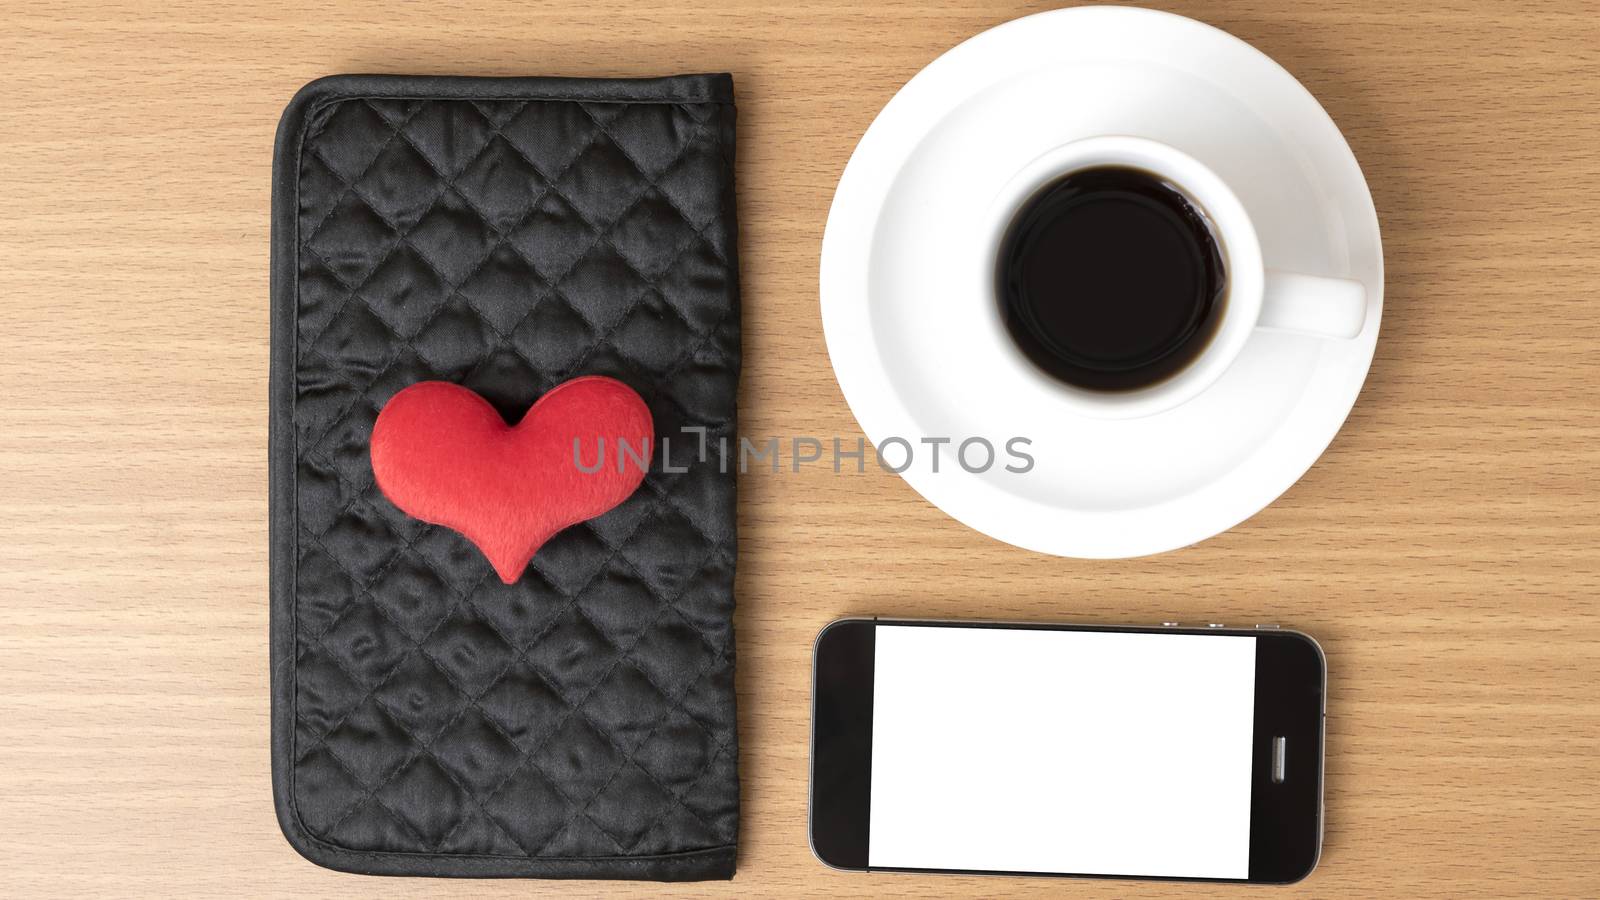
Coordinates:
[444,455]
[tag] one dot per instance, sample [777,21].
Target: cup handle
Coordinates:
[1311,304]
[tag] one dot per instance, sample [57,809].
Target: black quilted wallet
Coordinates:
[505,234]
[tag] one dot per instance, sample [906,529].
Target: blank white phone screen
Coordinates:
[1080,752]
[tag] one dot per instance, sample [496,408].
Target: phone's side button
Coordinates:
[1267,626]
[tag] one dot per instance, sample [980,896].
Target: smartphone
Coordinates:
[1076,750]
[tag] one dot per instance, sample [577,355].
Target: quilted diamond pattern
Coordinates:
[509,244]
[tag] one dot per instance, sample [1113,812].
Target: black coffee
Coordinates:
[1110,279]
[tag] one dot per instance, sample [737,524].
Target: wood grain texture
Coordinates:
[1444,550]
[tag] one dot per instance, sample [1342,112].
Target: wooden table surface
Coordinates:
[1446,549]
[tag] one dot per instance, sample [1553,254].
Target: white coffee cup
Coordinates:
[1256,296]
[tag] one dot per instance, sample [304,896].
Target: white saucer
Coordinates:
[899,263]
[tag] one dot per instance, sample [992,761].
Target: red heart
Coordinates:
[443,455]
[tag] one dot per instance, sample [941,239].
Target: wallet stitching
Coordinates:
[425,748]
[404,234]
[623,654]
[502,240]
[524,758]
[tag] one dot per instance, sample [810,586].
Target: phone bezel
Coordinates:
[1285,819]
